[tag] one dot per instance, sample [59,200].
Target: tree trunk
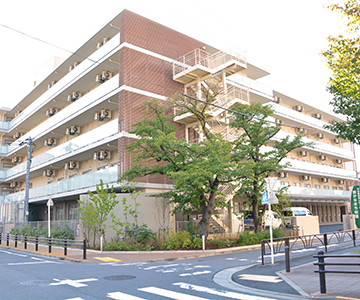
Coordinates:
[255,213]
[206,213]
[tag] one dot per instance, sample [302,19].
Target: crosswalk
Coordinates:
[181,291]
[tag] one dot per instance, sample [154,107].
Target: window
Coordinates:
[340,188]
[317,186]
[326,187]
[60,214]
[284,183]
[334,188]
[307,185]
[297,184]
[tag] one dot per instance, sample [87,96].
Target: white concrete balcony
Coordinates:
[199,63]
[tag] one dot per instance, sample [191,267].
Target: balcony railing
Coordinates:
[67,80]
[319,170]
[76,107]
[108,175]
[292,190]
[251,84]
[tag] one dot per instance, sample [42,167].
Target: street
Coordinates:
[28,276]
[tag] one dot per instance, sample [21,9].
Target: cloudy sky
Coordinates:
[282,36]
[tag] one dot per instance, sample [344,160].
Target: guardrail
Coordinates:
[41,241]
[282,245]
[321,263]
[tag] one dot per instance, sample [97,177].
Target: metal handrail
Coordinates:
[47,242]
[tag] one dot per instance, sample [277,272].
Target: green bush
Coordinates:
[182,240]
[59,232]
[252,238]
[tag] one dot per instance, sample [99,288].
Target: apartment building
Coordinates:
[79,115]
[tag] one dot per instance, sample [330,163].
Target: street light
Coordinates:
[28,141]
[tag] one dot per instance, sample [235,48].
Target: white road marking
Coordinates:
[12,253]
[78,298]
[170,294]
[263,278]
[161,266]
[217,292]
[195,273]
[74,283]
[122,296]
[33,263]
[202,266]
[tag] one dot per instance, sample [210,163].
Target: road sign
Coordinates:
[50,202]
[355,205]
[264,199]
[272,198]
[271,181]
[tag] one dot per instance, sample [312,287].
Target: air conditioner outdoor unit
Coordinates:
[301,130]
[48,173]
[74,129]
[324,179]
[71,67]
[76,63]
[51,111]
[75,95]
[71,165]
[277,99]
[17,135]
[317,116]
[322,157]
[279,121]
[18,113]
[336,141]
[340,181]
[332,122]
[16,159]
[50,142]
[105,114]
[105,75]
[303,153]
[14,184]
[283,174]
[51,84]
[98,78]
[104,154]
[338,161]
[98,45]
[299,108]
[305,177]
[96,155]
[320,135]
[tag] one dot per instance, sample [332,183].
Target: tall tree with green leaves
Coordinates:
[94,211]
[257,154]
[343,59]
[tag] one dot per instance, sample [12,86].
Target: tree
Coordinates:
[253,158]
[343,59]
[95,211]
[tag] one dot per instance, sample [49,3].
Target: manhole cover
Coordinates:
[41,282]
[119,277]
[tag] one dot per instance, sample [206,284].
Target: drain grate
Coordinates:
[120,277]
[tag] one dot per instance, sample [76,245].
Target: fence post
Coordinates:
[49,244]
[25,242]
[287,255]
[15,240]
[7,239]
[321,260]
[353,235]
[65,246]
[36,243]
[262,252]
[325,241]
[84,249]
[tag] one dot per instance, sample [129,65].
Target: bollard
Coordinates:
[0,237]
[65,246]
[353,235]
[325,242]
[49,244]
[262,252]
[36,243]
[84,249]
[7,239]
[15,240]
[322,274]
[25,242]
[287,255]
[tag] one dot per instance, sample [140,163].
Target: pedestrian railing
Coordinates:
[37,241]
[297,243]
[322,271]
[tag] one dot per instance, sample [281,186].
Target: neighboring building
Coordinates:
[79,116]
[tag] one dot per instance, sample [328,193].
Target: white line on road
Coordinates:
[161,266]
[195,273]
[12,253]
[122,296]
[263,278]
[170,294]
[74,283]
[217,292]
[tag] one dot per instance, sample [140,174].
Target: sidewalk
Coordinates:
[302,281]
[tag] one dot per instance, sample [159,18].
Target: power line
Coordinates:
[146,80]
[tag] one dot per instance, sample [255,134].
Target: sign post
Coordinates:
[271,181]
[355,203]
[49,203]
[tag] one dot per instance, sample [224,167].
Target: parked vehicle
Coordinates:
[295,212]
[276,220]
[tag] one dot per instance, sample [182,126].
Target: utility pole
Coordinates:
[29,143]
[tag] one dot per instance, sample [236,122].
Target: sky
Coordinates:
[281,36]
